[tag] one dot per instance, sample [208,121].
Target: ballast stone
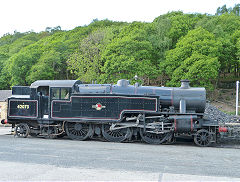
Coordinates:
[212,112]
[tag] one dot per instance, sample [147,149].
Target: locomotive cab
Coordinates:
[34,102]
[48,90]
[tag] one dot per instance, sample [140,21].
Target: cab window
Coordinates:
[61,93]
[44,90]
[55,93]
[64,93]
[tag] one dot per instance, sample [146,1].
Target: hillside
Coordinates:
[224,100]
[202,48]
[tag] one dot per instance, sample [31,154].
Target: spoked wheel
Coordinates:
[153,138]
[203,138]
[78,131]
[22,130]
[115,135]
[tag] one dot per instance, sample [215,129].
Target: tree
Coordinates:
[161,40]
[47,67]
[237,62]
[129,54]
[223,27]
[236,42]
[227,24]
[53,30]
[10,46]
[222,10]
[21,63]
[181,25]
[195,53]
[200,69]
[236,9]
[4,76]
[86,62]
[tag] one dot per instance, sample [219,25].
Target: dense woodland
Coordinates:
[202,48]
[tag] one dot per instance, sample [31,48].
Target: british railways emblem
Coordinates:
[98,106]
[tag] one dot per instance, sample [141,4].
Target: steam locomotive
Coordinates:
[121,112]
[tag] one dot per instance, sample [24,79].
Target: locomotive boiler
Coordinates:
[121,112]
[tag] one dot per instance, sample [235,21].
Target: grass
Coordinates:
[231,112]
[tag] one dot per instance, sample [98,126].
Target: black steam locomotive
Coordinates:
[115,112]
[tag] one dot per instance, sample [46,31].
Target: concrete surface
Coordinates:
[5,130]
[37,159]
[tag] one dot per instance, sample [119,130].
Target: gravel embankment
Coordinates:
[214,113]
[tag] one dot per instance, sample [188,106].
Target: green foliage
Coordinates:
[160,39]
[221,26]
[177,24]
[201,70]
[86,63]
[199,41]
[224,10]
[236,10]
[10,46]
[129,54]
[21,63]
[195,58]
[47,67]
[174,46]
[238,55]
[181,25]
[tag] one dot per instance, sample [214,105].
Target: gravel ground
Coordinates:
[215,114]
[37,159]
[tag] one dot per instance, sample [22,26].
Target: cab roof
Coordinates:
[55,83]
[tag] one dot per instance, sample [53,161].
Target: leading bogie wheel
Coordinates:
[22,130]
[203,138]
